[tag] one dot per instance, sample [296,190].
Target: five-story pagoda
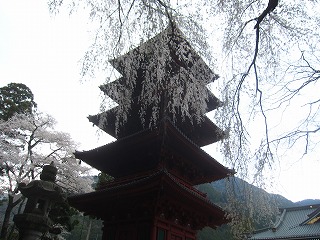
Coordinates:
[156,162]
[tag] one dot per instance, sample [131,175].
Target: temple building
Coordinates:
[156,163]
[297,223]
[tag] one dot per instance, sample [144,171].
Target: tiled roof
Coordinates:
[293,223]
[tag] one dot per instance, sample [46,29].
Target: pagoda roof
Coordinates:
[147,51]
[140,69]
[201,134]
[111,90]
[144,150]
[128,195]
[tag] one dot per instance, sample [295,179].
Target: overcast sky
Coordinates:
[43,51]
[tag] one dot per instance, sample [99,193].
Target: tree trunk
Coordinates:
[7,215]
[19,212]
[89,229]
[6,220]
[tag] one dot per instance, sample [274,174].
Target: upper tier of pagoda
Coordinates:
[162,78]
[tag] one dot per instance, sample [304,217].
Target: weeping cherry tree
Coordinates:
[27,143]
[266,55]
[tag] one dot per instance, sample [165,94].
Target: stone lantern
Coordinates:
[41,195]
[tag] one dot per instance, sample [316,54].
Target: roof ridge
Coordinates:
[274,228]
[301,207]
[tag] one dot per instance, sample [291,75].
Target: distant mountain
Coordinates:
[216,192]
[308,202]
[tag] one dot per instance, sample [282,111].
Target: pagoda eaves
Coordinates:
[163,146]
[141,199]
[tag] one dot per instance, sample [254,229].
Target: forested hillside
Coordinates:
[217,193]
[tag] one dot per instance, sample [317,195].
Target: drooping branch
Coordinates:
[168,11]
[304,80]
[236,102]
[271,6]
[309,75]
[259,93]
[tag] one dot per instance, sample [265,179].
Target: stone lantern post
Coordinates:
[40,194]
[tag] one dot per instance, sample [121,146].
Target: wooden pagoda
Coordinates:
[155,169]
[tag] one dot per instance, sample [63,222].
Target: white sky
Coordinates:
[42,51]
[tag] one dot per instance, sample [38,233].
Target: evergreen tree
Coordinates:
[15,98]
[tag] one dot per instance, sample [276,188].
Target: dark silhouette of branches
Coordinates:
[237,96]
[306,74]
[305,78]
[271,6]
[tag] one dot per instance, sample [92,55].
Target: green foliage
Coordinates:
[62,214]
[103,178]
[86,227]
[15,98]
[212,193]
[3,201]
[222,232]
